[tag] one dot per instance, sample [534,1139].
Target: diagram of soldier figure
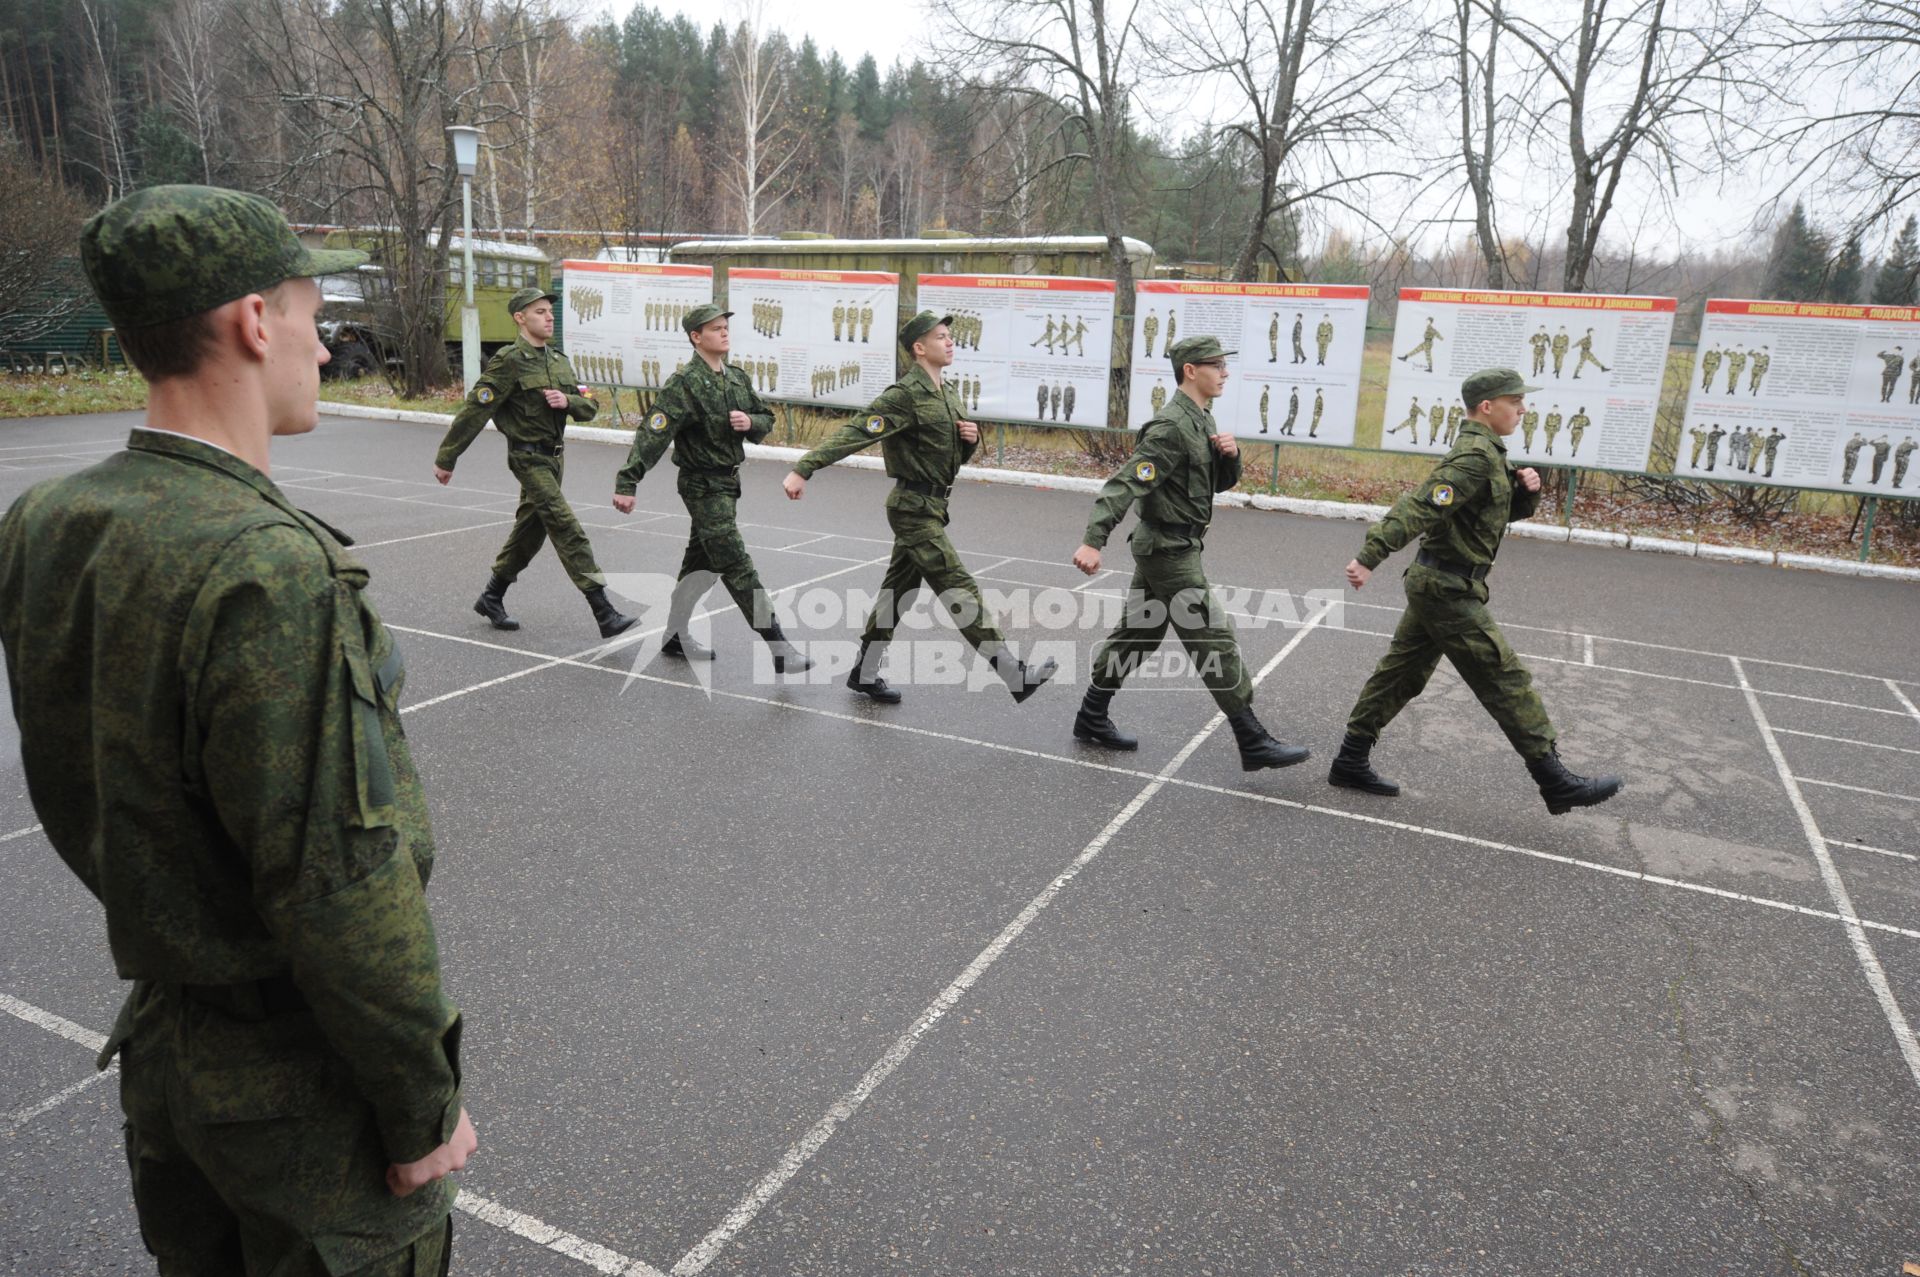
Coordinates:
[1529,423]
[1323,337]
[1850,456]
[1047,337]
[1585,347]
[1068,393]
[1714,436]
[1293,411]
[1913,381]
[866,323]
[1774,438]
[1896,362]
[1173,325]
[1266,398]
[1151,327]
[1056,401]
[1699,442]
[1881,447]
[1760,361]
[1455,415]
[1040,399]
[1080,335]
[1540,341]
[1709,365]
[1158,396]
[1412,424]
[1736,364]
[1552,423]
[1901,456]
[1738,444]
[1425,347]
[1559,348]
[1273,338]
[1319,406]
[1299,328]
[1436,418]
[839,318]
[1576,429]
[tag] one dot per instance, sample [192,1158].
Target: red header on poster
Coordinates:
[1019,283]
[1230,288]
[637,268]
[1548,301]
[1815,310]
[815,276]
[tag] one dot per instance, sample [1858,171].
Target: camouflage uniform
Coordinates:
[1323,337]
[692,414]
[1463,510]
[209,726]
[510,394]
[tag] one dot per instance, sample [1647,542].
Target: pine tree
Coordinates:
[1898,281]
[1797,265]
[1847,273]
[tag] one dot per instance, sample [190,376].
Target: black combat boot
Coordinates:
[679,615]
[1258,749]
[1022,679]
[787,659]
[611,619]
[1092,725]
[492,604]
[865,678]
[1353,768]
[686,649]
[1563,790]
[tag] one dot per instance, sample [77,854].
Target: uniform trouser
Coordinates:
[715,546]
[544,515]
[1171,589]
[922,554]
[1447,616]
[250,1154]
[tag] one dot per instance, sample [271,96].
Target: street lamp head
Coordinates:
[466,147]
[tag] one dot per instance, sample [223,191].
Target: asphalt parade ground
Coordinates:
[760,978]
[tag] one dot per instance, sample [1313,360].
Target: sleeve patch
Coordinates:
[658,421]
[876,425]
[484,394]
[1144,472]
[1442,494]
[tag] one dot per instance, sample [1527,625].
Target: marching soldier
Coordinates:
[1559,349]
[1585,347]
[1412,424]
[1893,360]
[1462,510]
[1577,428]
[1079,337]
[1273,338]
[708,411]
[1180,461]
[924,441]
[1323,337]
[1319,406]
[1299,327]
[208,710]
[1046,336]
[1427,338]
[1761,360]
[530,392]
[1293,411]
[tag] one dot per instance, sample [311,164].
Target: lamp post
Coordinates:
[466,156]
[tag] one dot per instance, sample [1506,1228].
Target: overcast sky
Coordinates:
[853,28]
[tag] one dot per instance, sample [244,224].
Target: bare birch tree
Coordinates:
[756,172]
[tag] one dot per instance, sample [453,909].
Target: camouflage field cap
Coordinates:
[1196,350]
[527,297]
[1491,383]
[700,316]
[169,252]
[919,326]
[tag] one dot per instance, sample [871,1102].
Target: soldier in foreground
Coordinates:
[530,391]
[1463,510]
[209,725]
[1180,461]
[709,411]
[924,441]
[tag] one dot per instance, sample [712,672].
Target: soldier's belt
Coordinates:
[249,999]
[926,489]
[538,449]
[1471,571]
[719,472]
[1197,531]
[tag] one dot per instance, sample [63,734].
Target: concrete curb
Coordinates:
[1243,500]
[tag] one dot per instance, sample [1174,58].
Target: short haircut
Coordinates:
[178,347]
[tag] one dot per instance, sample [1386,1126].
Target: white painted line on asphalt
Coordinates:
[58,1098]
[1844,740]
[57,1024]
[616,644]
[1087,585]
[803,1149]
[1879,851]
[1836,888]
[1588,638]
[592,1254]
[422,536]
[1681,884]
[1857,789]
[21,833]
[1905,701]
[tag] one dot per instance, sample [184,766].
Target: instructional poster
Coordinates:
[1599,361]
[622,319]
[1027,347]
[1297,376]
[815,336]
[1810,395]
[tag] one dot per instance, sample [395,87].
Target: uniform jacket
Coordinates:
[691,413]
[510,394]
[1173,474]
[1462,509]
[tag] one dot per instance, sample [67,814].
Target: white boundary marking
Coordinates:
[1904,700]
[21,833]
[592,1254]
[1588,643]
[1836,888]
[802,1150]
[1844,740]
[422,536]
[1861,846]
[58,1098]
[57,1024]
[1858,789]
